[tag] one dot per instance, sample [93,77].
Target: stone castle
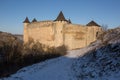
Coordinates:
[61,32]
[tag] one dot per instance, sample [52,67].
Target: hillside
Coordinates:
[103,63]
[19,36]
[98,61]
[8,39]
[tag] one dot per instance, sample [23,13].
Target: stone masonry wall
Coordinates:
[42,32]
[60,33]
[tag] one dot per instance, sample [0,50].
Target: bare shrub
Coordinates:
[16,55]
[10,52]
[104,27]
[62,50]
[36,48]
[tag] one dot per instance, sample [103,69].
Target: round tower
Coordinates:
[60,21]
[25,34]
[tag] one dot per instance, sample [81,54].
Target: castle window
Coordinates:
[97,34]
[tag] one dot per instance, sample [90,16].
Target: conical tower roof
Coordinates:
[69,21]
[60,17]
[34,20]
[92,23]
[26,20]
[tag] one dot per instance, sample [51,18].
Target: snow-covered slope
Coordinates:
[99,61]
[103,63]
[54,69]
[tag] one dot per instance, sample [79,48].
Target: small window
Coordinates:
[97,34]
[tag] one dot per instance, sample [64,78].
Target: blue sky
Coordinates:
[13,12]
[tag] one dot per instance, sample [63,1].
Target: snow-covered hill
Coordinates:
[103,63]
[99,61]
[54,69]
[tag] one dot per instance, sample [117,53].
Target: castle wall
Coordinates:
[75,36]
[60,33]
[42,32]
[79,36]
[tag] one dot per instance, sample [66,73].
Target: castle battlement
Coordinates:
[40,24]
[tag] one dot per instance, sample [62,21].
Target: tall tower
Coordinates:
[92,30]
[60,21]
[25,34]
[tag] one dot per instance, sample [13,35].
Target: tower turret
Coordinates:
[69,21]
[93,23]
[34,20]
[26,22]
[60,17]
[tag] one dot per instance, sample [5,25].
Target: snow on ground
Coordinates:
[101,64]
[75,66]
[54,69]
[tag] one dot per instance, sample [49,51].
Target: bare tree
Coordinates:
[104,27]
